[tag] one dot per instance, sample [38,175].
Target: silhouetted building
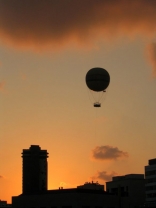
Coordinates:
[67,198]
[91,186]
[150,176]
[131,186]
[34,169]
[4,204]
[123,192]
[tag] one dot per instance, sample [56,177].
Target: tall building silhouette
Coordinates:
[150,176]
[34,170]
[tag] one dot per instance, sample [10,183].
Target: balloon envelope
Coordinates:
[97,79]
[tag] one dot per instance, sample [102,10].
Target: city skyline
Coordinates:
[125,190]
[46,49]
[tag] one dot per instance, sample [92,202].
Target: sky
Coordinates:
[46,49]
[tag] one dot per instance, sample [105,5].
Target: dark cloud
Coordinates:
[108,153]
[103,175]
[37,23]
[151,51]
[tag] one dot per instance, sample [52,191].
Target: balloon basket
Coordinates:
[97,105]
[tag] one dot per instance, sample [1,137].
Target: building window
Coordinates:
[152,195]
[114,191]
[151,180]
[152,172]
[148,188]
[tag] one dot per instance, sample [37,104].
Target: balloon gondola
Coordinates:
[97,80]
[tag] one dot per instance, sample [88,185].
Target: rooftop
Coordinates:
[129,176]
[71,190]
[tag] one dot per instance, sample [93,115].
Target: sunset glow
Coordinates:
[46,49]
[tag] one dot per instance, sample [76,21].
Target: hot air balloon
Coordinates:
[97,80]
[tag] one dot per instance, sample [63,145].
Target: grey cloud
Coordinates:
[37,23]
[104,175]
[108,153]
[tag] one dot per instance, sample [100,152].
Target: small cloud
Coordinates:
[2,84]
[151,53]
[107,153]
[103,175]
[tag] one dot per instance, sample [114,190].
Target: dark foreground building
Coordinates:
[4,204]
[89,195]
[131,186]
[150,176]
[69,198]
[35,172]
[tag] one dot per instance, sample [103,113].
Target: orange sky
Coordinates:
[46,49]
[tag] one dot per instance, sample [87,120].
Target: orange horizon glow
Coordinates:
[44,98]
